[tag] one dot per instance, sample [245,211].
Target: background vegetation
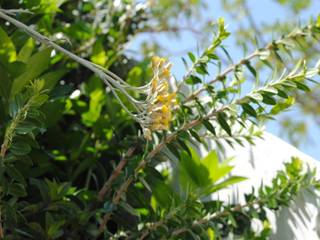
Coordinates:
[75,164]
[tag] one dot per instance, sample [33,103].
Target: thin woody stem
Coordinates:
[213,216]
[116,172]
[115,201]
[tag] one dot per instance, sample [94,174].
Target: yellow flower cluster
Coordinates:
[161,102]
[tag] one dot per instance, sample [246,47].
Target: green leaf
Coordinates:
[211,162]
[52,78]
[216,169]
[202,69]
[15,69]
[267,99]
[81,167]
[192,174]
[5,83]
[99,55]
[23,233]
[230,181]
[195,135]
[302,86]
[7,48]
[185,63]
[15,174]
[211,234]
[26,51]
[53,226]
[223,123]
[36,65]
[9,213]
[279,107]
[267,63]
[20,148]
[36,228]
[184,146]
[97,101]
[213,56]
[162,193]
[17,190]
[39,100]
[282,94]
[173,148]
[192,80]
[251,69]
[226,53]
[43,188]
[249,110]
[25,127]
[15,105]
[191,56]
[210,127]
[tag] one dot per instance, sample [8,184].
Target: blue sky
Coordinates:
[264,11]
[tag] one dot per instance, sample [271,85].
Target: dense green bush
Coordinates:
[77,162]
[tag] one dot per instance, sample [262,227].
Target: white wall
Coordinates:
[260,163]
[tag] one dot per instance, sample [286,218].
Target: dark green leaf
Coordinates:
[17,190]
[267,99]
[249,110]
[202,69]
[191,56]
[195,135]
[193,80]
[52,78]
[20,148]
[174,149]
[302,86]
[282,94]
[5,83]
[223,123]
[25,127]
[184,146]
[15,174]
[210,127]
[251,69]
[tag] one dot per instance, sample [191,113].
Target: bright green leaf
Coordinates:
[7,49]
[26,51]
[36,65]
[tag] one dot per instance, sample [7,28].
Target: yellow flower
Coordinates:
[159,109]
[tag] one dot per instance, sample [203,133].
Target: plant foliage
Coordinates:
[75,162]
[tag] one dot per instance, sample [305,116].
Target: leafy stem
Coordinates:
[283,80]
[262,53]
